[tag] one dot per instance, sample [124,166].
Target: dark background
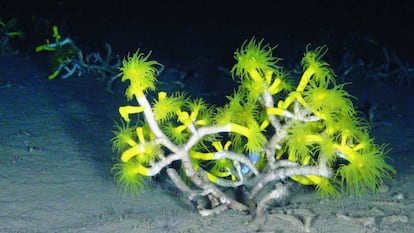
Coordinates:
[203,26]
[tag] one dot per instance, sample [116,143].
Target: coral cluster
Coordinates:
[68,60]
[271,131]
[8,32]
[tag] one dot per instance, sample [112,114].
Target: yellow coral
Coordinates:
[366,169]
[314,126]
[315,69]
[167,106]
[124,137]
[140,72]
[254,60]
[129,176]
[325,102]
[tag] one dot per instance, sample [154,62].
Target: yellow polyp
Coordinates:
[130,153]
[125,111]
[193,115]
[360,146]
[131,169]
[302,180]
[288,101]
[196,107]
[181,128]
[44,47]
[344,138]
[264,124]
[236,128]
[139,169]
[56,34]
[184,118]
[280,103]
[294,95]
[227,145]
[140,134]
[14,34]
[141,72]
[305,79]
[201,122]
[134,90]
[202,156]
[131,142]
[313,138]
[309,179]
[306,160]
[279,154]
[293,157]
[321,115]
[221,173]
[275,87]
[53,75]
[300,99]
[162,95]
[255,75]
[268,76]
[275,111]
[217,145]
[351,154]
[212,178]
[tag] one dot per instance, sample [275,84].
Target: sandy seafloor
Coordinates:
[56,157]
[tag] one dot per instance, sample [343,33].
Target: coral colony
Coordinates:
[68,60]
[271,131]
